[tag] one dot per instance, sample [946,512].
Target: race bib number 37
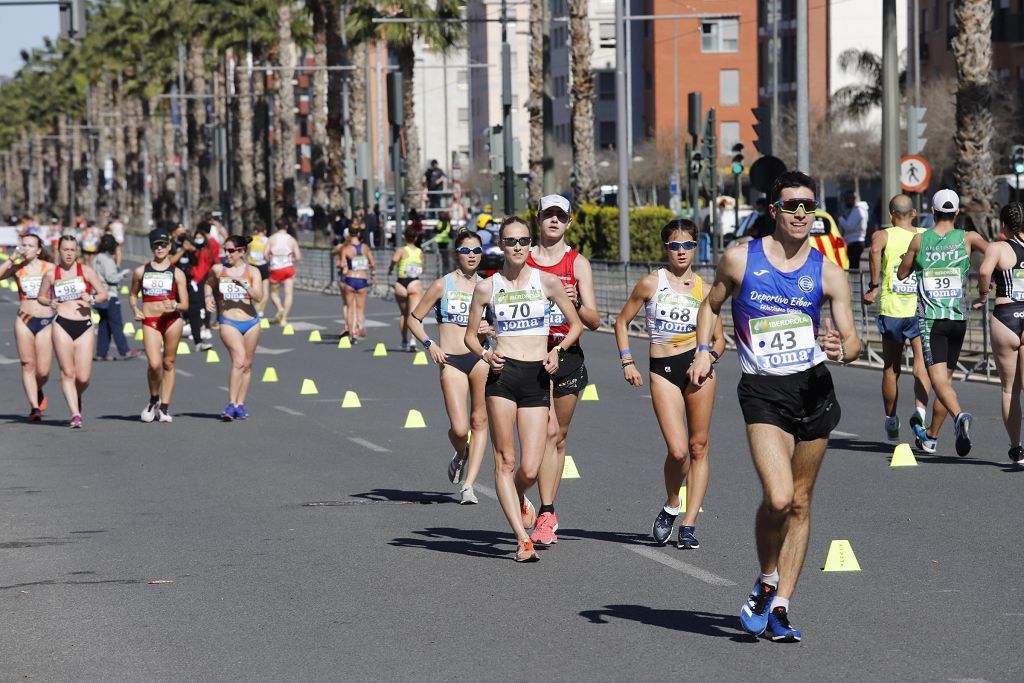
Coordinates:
[943,283]
[782,341]
[519,311]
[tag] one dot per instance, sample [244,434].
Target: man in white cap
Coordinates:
[552,255]
[941,257]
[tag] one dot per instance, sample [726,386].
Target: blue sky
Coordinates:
[23,28]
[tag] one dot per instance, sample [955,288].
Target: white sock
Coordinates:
[673,511]
[780,602]
[920,411]
[771,579]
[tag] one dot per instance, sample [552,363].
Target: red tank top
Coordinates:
[64,289]
[563,270]
[158,285]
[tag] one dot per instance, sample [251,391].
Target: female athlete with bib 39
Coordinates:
[518,391]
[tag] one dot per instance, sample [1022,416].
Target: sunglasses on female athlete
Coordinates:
[676,246]
[234,250]
[469,250]
[792,205]
[513,241]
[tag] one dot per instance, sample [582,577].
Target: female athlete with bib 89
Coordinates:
[671,298]
[70,288]
[519,298]
[463,373]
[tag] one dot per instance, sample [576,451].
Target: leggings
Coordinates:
[196,311]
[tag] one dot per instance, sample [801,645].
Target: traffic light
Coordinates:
[737,159]
[696,160]
[915,129]
[1017,159]
[763,130]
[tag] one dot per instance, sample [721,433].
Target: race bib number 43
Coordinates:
[783,341]
[943,283]
[519,311]
[675,313]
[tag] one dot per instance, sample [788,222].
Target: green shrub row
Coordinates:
[595,232]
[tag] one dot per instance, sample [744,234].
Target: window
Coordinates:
[606,34]
[463,114]
[606,85]
[720,35]
[462,79]
[607,134]
[951,14]
[728,86]
[728,135]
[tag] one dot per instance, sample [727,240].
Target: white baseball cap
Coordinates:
[946,201]
[558,200]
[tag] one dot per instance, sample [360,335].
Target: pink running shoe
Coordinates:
[76,422]
[529,513]
[544,535]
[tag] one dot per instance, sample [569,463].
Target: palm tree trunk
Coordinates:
[335,132]
[171,187]
[246,158]
[105,146]
[261,162]
[121,131]
[584,179]
[38,177]
[63,157]
[76,164]
[199,188]
[284,133]
[406,63]
[972,49]
[535,105]
[320,151]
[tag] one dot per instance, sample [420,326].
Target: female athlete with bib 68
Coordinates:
[670,299]
[239,288]
[518,391]
[70,288]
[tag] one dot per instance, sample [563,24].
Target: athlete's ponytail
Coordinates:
[239,240]
[1012,217]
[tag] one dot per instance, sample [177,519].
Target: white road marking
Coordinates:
[270,352]
[4,360]
[486,490]
[284,409]
[223,388]
[845,435]
[183,373]
[300,326]
[368,444]
[679,565]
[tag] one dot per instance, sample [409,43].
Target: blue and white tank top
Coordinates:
[776,315]
[453,306]
[519,312]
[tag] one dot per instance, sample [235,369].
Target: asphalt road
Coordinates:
[388,578]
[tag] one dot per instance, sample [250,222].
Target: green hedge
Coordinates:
[595,232]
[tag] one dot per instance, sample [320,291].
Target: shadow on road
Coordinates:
[122,418]
[701,623]
[622,537]
[474,542]
[12,419]
[858,446]
[956,460]
[398,495]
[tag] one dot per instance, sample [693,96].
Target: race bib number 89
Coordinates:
[943,283]
[783,341]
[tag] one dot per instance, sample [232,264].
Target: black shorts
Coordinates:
[526,383]
[1011,315]
[571,376]
[803,404]
[942,341]
[264,271]
[674,368]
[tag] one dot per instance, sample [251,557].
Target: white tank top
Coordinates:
[672,316]
[280,253]
[519,312]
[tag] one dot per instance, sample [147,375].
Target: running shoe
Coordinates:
[663,524]
[240,413]
[916,419]
[203,346]
[455,468]
[754,613]
[686,538]
[892,428]
[526,553]
[405,346]
[162,416]
[779,629]
[104,358]
[186,331]
[1016,455]
[924,442]
[132,353]
[962,429]
[36,415]
[529,514]
[229,413]
[544,535]
[149,413]
[42,401]
[468,495]
[76,422]
[205,334]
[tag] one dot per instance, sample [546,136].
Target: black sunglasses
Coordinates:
[469,250]
[513,241]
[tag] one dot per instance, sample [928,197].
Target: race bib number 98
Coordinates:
[783,341]
[943,283]
[69,289]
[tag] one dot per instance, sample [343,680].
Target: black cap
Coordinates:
[159,235]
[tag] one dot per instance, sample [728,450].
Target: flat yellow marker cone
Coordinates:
[903,457]
[264,324]
[138,334]
[345,343]
[95,318]
[128,328]
[589,393]
[270,375]
[841,558]
[569,470]
[351,400]
[414,420]
[682,500]
[308,387]
[183,349]
[124,289]
[379,351]
[288,330]
[420,359]
[314,336]
[212,357]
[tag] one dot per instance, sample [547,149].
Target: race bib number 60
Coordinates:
[783,341]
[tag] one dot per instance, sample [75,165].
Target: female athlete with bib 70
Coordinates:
[518,391]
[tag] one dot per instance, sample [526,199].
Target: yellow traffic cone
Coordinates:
[138,334]
[380,350]
[308,387]
[569,470]
[288,330]
[414,420]
[420,359]
[129,328]
[841,558]
[123,290]
[682,500]
[183,349]
[212,357]
[351,400]
[903,457]
[95,318]
[589,393]
[345,343]
[264,324]
[270,375]
[314,336]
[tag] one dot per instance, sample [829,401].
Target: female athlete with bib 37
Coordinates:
[518,391]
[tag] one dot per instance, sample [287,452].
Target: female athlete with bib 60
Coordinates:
[282,253]
[164,292]
[69,288]
[239,288]
[671,298]
[463,373]
[32,329]
[519,299]
[358,272]
[408,290]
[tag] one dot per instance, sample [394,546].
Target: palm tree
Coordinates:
[284,123]
[535,105]
[856,100]
[972,49]
[584,177]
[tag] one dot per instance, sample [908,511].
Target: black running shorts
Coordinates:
[526,383]
[803,404]
[942,341]
[571,375]
[674,368]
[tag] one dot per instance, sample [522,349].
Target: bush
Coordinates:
[595,232]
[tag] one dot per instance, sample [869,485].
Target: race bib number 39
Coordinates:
[675,313]
[905,286]
[70,289]
[519,311]
[457,308]
[782,341]
[943,283]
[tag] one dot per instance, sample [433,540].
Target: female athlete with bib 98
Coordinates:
[32,329]
[519,298]
[69,289]
[670,299]
[463,373]
[240,289]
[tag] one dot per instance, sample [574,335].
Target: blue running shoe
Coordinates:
[962,428]
[229,413]
[754,613]
[240,413]
[923,441]
[779,629]
[892,428]
[686,538]
[662,529]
